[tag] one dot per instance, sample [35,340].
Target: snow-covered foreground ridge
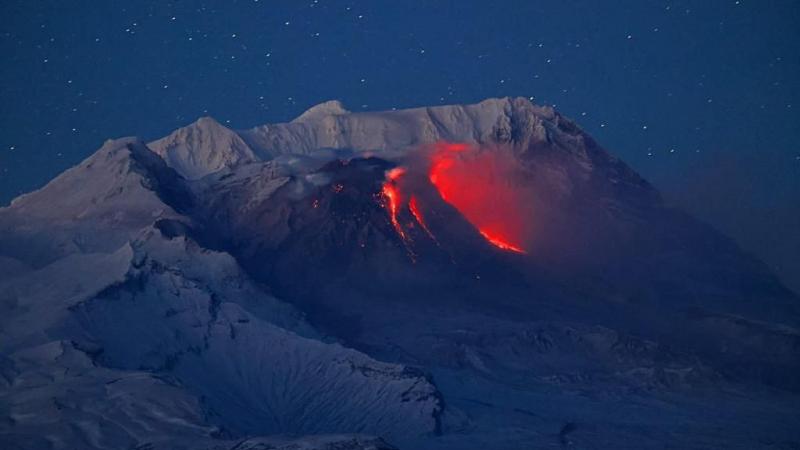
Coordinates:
[277,288]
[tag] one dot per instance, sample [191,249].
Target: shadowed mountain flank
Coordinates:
[463,276]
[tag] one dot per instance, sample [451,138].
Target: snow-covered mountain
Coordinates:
[201,148]
[468,276]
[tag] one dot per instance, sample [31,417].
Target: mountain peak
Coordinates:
[207,122]
[124,183]
[202,147]
[111,144]
[329,108]
[493,120]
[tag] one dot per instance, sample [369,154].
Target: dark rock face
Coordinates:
[268,282]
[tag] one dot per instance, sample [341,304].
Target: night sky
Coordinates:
[701,97]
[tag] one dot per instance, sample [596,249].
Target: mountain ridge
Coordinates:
[281,280]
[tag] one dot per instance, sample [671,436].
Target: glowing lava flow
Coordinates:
[394,200]
[478,184]
[413,206]
[392,195]
[497,242]
[482,184]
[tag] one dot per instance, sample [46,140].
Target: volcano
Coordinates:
[450,277]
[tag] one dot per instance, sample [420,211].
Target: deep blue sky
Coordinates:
[701,97]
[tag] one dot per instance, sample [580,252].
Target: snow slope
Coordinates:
[117,294]
[227,289]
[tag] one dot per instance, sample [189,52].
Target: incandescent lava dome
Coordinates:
[485,185]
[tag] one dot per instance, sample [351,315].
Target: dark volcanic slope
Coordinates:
[309,278]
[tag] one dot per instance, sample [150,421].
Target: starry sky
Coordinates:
[701,97]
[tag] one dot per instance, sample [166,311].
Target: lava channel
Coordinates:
[413,206]
[396,200]
[391,192]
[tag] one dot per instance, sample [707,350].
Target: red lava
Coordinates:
[477,183]
[413,206]
[391,193]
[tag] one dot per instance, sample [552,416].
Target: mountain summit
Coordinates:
[329,108]
[463,276]
[201,148]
